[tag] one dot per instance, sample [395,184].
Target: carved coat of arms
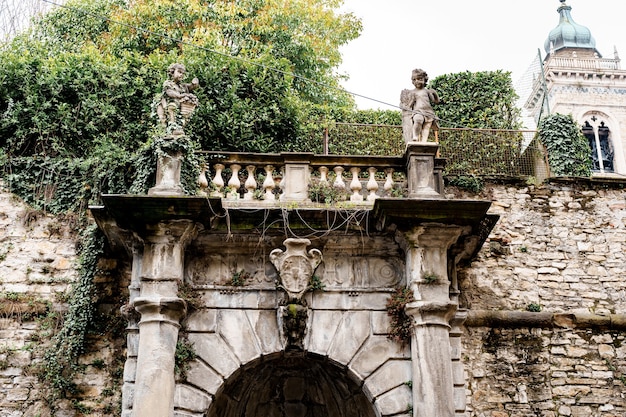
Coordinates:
[295,266]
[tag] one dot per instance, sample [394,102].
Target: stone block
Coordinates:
[571,391]
[132,343]
[17,395]
[374,352]
[237,332]
[353,330]
[381,322]
[191,399]
[576,352]
[392,374]
[202,320]
[396,401]
[346,300]
[460,399]
[128,395]
[265,325]
[294,388]
[241,298]
[324,324]
[200,375]
[130,369]
[581,411]
[215,352]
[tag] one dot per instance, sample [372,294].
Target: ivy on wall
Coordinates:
[60,364]
[569,153]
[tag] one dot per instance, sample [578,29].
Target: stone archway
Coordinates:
[292,385]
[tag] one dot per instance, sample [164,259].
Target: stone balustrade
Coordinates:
[272,179]
[584,63]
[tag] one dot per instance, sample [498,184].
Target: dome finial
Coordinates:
[568,33]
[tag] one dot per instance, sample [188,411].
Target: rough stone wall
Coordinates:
[560,247]
[38,261]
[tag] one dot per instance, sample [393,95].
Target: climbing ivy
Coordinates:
[568,149]
[60,364]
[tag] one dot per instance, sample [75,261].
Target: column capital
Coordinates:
[431,313]
[172,231]
[161,309]
[434,235]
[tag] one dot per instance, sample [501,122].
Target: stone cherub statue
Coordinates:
[418,115]
[176,103]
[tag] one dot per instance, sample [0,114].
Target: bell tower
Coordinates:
[578,80]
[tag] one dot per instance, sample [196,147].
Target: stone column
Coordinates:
[161,311]
[458,373]
[132,332]
[432,310]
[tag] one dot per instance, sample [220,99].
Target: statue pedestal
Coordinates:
[168,174]
[420,157]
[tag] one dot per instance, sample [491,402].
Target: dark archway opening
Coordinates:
[293,385]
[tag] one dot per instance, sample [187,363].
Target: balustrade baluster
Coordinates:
[355,185]
[250,183]
[281,184]
[372,184]
[339,182]
[269,184]
[218,181]
[388,186]
[323,175]
[203,182]
[233,182]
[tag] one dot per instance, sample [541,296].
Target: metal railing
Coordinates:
[485,152]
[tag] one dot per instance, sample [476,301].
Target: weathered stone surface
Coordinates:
[204,377]
[234,297]
[203,320]
[374,352]
[237,332]
[130,368]
[392,374]
[191,399]
[265,325]
[215,352]
[381,322]
[353,330]
[353,300]
[395,401]
[323,328]
[565,257]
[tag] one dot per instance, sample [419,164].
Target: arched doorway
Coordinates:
[292,385]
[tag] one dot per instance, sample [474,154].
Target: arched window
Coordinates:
[599,136]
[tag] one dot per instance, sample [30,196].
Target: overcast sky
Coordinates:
[452,36]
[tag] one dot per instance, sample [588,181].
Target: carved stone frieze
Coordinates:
[340,271]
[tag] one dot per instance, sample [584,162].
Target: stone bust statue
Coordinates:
[418,116]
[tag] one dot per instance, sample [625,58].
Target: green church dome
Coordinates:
[568,34]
